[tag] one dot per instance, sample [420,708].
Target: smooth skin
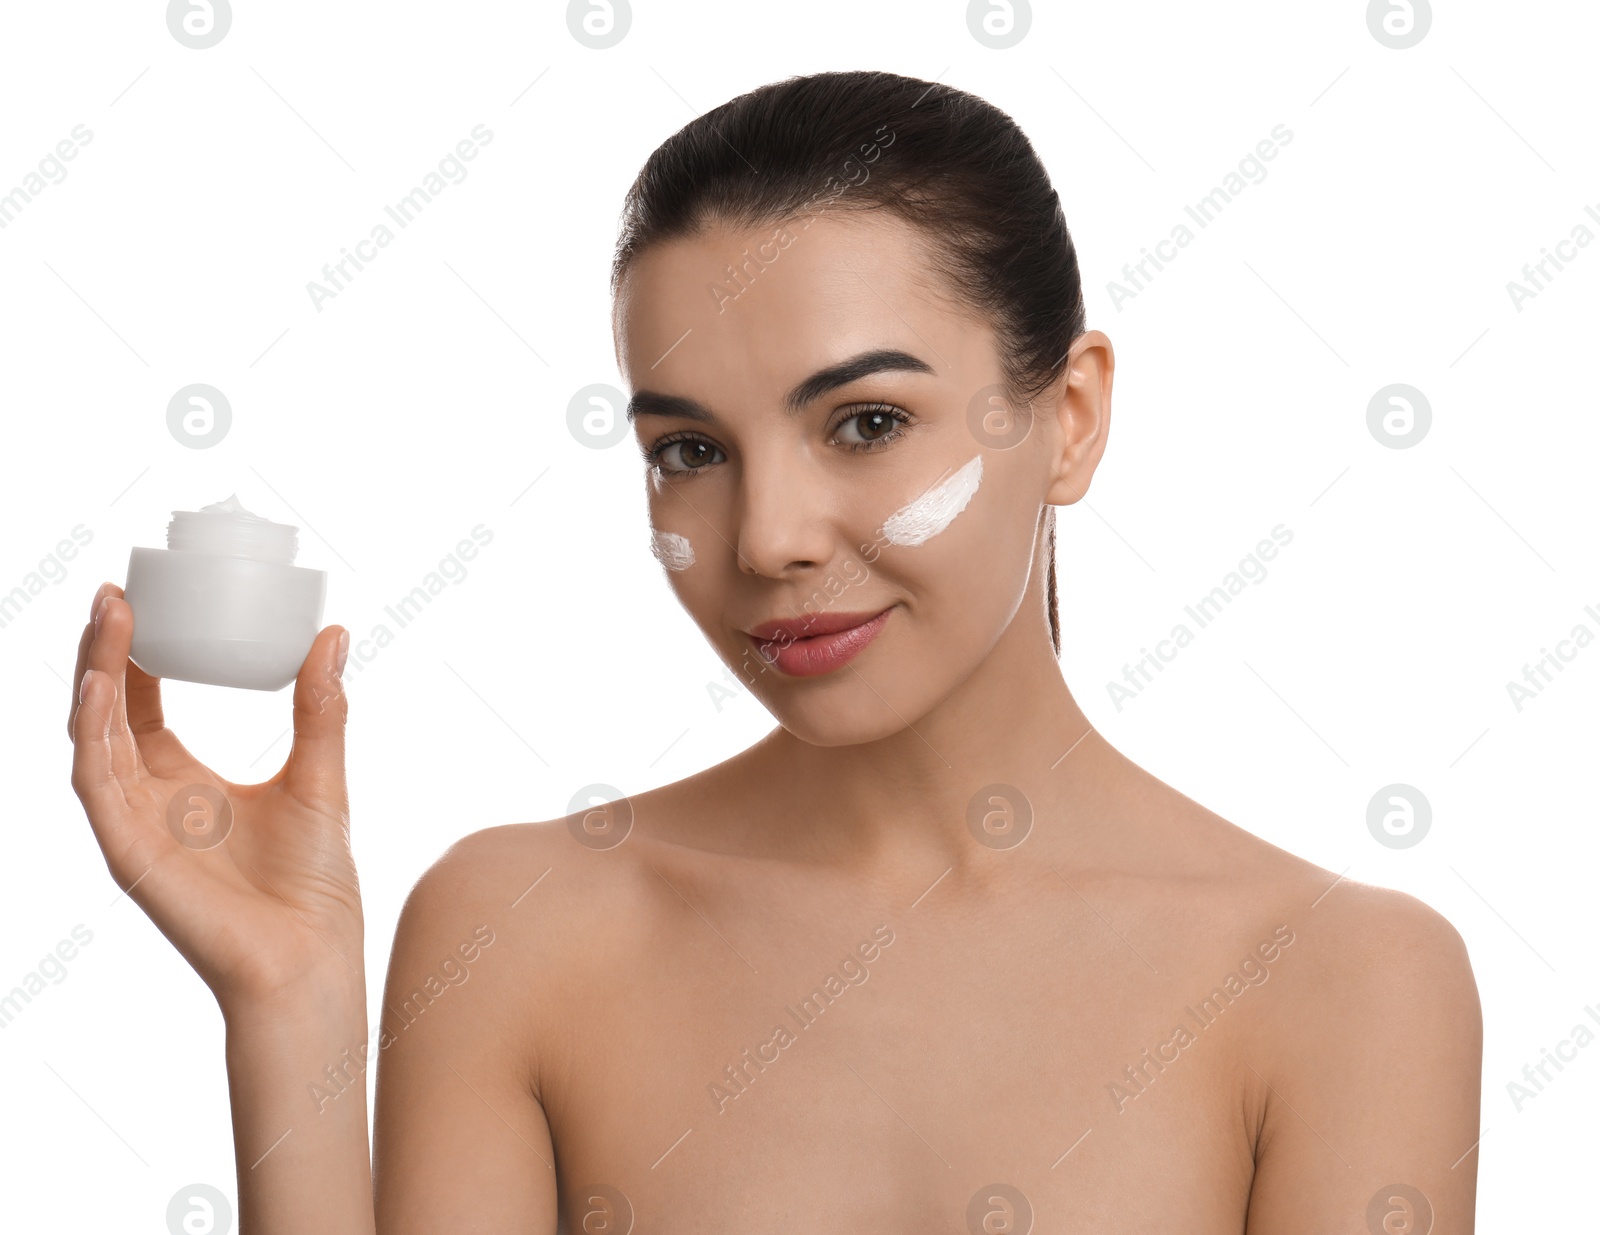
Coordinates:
[931,1031]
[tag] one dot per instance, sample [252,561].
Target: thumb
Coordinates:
[316,761]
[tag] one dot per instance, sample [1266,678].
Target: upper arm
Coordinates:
[1371,1081]
[460,1138]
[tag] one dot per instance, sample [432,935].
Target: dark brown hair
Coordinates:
[956,167]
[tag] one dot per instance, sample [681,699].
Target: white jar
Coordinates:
[223,603]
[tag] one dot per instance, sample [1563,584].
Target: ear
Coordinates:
[1082,410]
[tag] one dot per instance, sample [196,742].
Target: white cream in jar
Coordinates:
[223,603]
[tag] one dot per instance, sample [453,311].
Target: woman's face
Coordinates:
[822,448]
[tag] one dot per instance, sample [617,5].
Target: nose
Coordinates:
[786,514]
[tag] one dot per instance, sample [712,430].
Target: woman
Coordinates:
[932,955]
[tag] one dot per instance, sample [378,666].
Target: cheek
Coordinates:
[700,588]
[925,516]
[973,573]
[672,550]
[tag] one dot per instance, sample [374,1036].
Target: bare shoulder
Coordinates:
[569,898]
[1367,951]
[498,943]
[487,890]
[1381,967]
[1360,1062]
[552,890]
[1352,927]
[1359,963]
[1365,1067]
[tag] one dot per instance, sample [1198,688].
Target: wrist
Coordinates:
[318,995]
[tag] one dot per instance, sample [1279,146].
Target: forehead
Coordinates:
[736,308]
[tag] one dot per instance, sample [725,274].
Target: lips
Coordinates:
[787,631]
[817,644]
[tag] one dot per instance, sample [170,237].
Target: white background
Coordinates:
[431,394]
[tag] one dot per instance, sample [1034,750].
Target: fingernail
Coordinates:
[94,605]
[83,686]
[344,651]
[100,612]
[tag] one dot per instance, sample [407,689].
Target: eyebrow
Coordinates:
[879,360]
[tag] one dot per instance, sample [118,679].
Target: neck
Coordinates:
[904,801]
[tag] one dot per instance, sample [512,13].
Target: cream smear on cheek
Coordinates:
[928,515]
[671,550]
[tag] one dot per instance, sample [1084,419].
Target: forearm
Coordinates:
[297,1087]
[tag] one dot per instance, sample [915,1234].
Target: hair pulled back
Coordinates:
[953,165]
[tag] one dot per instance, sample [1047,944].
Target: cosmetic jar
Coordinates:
[223,603]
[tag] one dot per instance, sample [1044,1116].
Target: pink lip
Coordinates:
[818,653]
[782,630]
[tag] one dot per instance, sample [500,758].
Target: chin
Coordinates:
[850,714]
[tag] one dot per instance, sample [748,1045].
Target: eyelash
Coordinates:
[902,419]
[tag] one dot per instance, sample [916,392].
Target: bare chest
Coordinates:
[863,1070]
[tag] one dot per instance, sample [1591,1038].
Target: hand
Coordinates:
[257,903]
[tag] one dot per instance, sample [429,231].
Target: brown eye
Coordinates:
[683,455]
[873,426]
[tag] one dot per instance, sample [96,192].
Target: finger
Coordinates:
[108,654]
[84,641]
[93,777]
[144,703]
[159,747]
[315,771]
[83,656]
[127,842]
